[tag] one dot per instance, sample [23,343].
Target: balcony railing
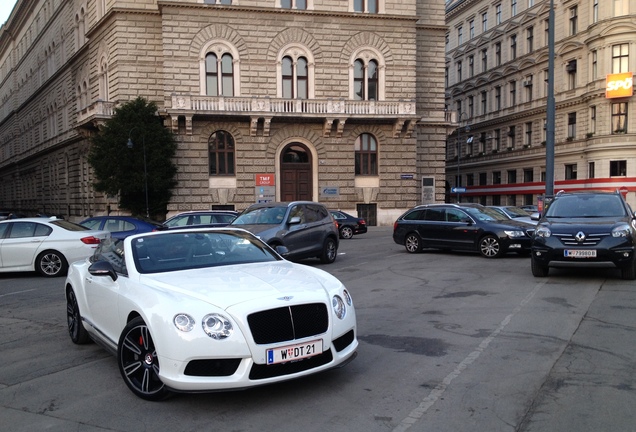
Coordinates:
[303,107]
[97,111]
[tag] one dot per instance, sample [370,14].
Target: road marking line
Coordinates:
[439,390]
[17,292]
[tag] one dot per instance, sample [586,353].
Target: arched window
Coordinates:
[295,78]
[366,155]
[219,84]
[221,151]
[365,80]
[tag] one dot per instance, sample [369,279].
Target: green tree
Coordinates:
[119,168]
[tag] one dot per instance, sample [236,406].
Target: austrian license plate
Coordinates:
[294,352]
[579,253]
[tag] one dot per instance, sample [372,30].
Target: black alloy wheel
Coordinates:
[538,270]
[76,329]
[413,243]
[138,362]
[490,247]
[329,251]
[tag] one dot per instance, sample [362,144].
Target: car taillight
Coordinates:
[90,240]
[395,225]
[362,222]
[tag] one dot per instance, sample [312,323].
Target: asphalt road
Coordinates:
[449,342]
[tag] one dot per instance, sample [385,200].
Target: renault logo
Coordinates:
[580,236]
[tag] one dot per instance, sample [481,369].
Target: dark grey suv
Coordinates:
[305,228]
[586,229]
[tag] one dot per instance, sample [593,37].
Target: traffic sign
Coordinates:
[458,189]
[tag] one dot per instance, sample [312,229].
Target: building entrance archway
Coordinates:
[295,173]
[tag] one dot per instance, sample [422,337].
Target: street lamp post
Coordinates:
[143,146]
[459,134]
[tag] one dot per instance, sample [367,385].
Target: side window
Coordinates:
[42,230]
[415,215]
[92,224]
[435,215]
[453,215]
[316,213]
[3,230]
[298,211]
[22,229]
[112,250]
[221,152]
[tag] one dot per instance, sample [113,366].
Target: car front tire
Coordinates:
[51,264]
[413,243]
[346,232]
[538,270]
[139,363]
[329,251]
[76,329]
[629,272]
[490,247]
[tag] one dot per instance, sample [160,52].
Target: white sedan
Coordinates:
[207,309]
[45,245]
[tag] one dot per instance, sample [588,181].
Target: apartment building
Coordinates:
[337,101]
[496,79]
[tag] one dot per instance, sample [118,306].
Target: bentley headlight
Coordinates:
[543,232]
[347,297]
[183,322]
[514,233]
[621,231]
[217,326]
[339,307]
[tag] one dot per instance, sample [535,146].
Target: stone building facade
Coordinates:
[336,101]
[496,74]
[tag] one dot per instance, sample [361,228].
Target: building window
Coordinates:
[483,179]
[513,93]
[571,71]
[446,81]
[621,7]
[447,41]
[470,179]
[484,22]
[528,86]
[459,71]
[592,120]
[528,175]
[546,82]
[546,26]
[497,143]
[458,105]
[512,176]
[484,60]
[471,110]
[365,80]
[366,155]
[471,29]
[530,3]
[571,125]
[498,54]
[528,138]
[221,153]
[620,58]
[619,118]
[595,11]
[573,20]
[498,14]
[368,6]
[618,168]
[295,78]
[497,98]
[530,38]
[496,177]
[511,137]
[460,36]
[219,75]
[471,66]
[591,168]
[594,64]
[513,7]
[513,47]
[484,102]
[294,4]
[570,171]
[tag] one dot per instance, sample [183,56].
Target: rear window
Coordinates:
[69,226]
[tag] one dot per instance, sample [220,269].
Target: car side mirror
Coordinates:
[535,216]
[103,268]
[294,220]
[282,250]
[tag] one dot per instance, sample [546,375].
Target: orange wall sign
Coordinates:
[265,179]
[619,85]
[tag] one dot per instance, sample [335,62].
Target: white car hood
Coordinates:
[234,284]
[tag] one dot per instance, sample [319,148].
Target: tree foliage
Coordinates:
[119,170]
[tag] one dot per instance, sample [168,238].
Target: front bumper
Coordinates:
[611,252]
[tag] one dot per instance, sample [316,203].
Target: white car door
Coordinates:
[22,244]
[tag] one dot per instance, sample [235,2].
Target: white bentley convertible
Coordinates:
[208,309]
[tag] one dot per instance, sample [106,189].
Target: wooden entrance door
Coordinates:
[295,173]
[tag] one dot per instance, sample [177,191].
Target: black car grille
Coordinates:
[343,341]
[212,367]
[263,371]
[589,240]
[288,323]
